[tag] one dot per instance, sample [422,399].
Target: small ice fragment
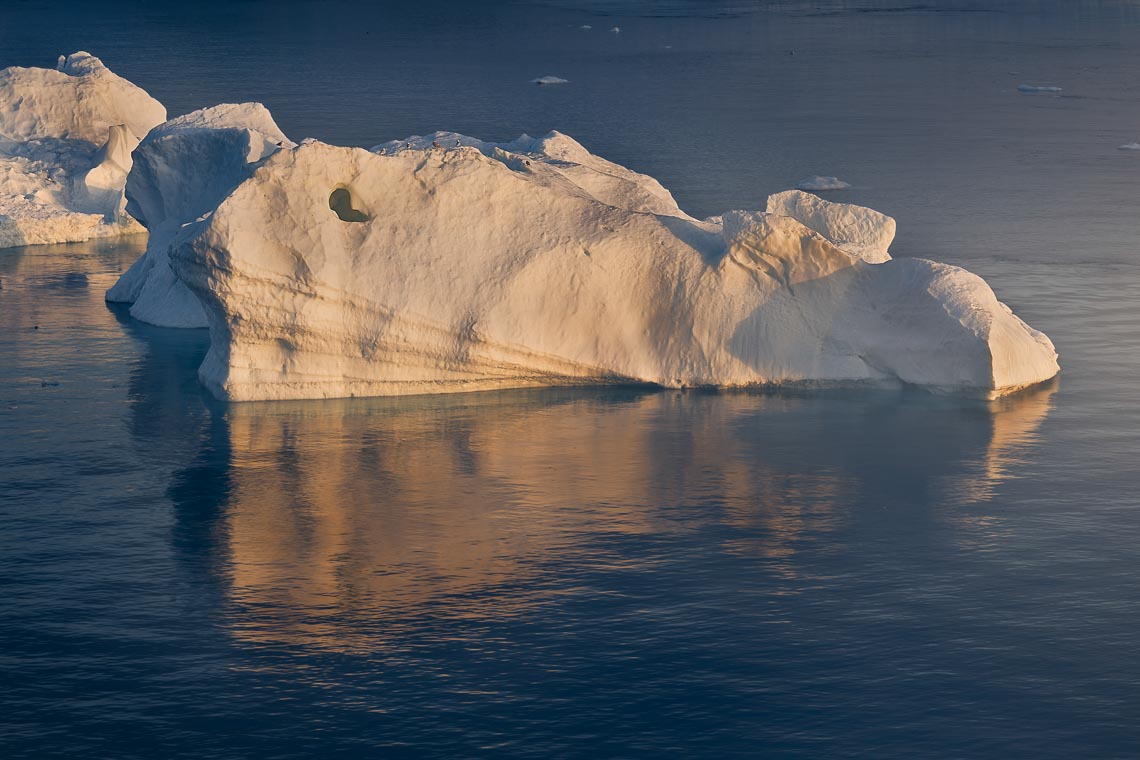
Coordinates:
[549,80]
[822,183]
[1130,146]
[616,30]
[1037,88]
[585,26]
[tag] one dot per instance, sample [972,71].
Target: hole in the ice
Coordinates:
[341,202]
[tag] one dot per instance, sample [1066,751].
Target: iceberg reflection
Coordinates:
[342,519]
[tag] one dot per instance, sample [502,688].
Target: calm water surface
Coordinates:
[609,573]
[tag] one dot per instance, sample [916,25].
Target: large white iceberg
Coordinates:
[443,263]
[66,137]
[183,169]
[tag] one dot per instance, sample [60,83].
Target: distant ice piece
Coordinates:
[549,80]
[585,26]
[1130,146]
[183,169]
[66,137]
[817,183]
[443,263]
[616,30]
[1037,88]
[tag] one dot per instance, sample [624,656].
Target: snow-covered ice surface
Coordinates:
[550,80]
[66,137]
[1038,88]
[183,169]
[443,263]
[817,183]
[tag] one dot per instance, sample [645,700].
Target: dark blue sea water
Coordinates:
[613,573]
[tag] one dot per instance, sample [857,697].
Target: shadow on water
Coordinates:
[171,410]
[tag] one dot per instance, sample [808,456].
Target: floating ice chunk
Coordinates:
[1037,88]
[535,263]
[182,170]
[549,80]
[585,26]
[822,183]
[860,231]
[616,30]
[1130,146]
[66,136]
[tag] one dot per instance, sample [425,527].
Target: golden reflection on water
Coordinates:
[479,505]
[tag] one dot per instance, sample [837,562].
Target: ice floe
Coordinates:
[817,183]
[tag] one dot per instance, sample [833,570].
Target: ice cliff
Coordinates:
[183,169]
[444,263]
[66,136]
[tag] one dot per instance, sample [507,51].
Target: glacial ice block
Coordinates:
[182,170]
[66,137]
[425,267]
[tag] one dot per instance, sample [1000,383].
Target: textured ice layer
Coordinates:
[443,263]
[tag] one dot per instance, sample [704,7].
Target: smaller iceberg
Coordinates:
[1037,88]
[66,136]
[817,183]
[549,80]
[1130,146]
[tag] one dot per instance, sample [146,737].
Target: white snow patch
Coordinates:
[822,183]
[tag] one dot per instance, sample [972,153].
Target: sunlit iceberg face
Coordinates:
[339,514]
[443,263]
